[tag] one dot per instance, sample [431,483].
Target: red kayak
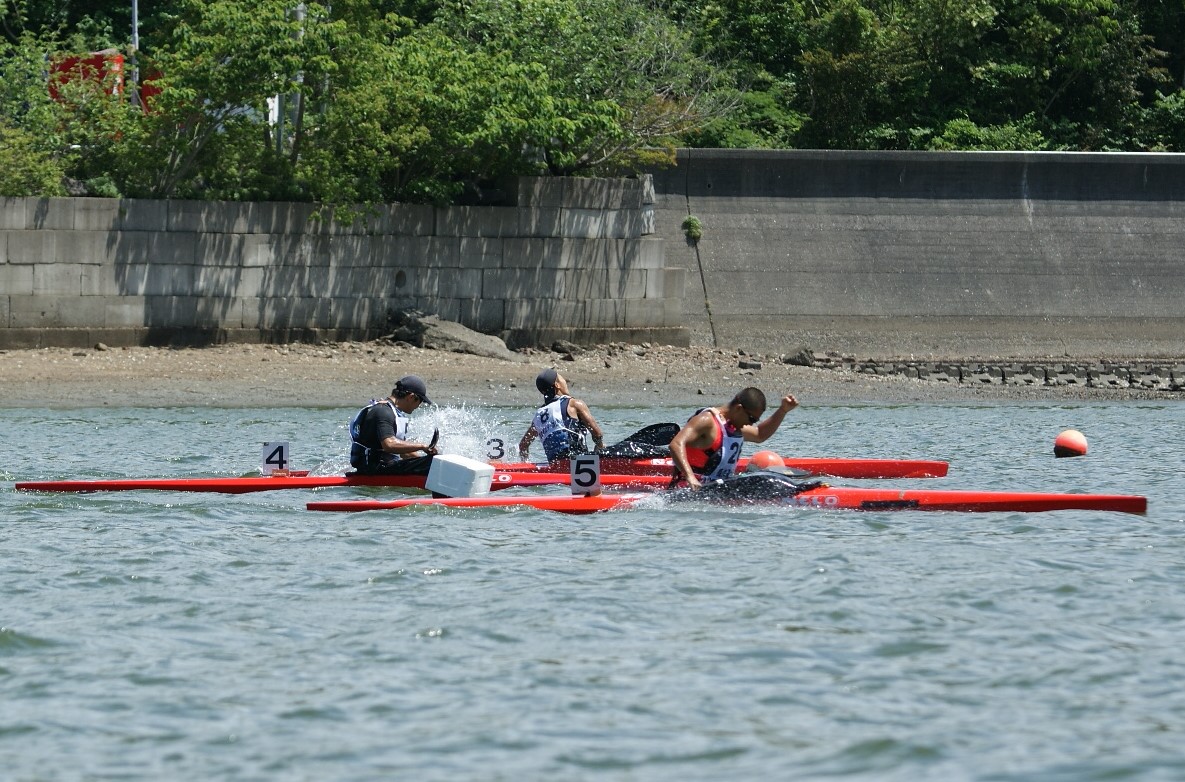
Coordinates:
[615,472]
[821,497]
[832,467]
[298,480]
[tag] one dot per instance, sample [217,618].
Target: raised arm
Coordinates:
[763,430]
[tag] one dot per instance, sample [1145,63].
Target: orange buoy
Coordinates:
[766,460]
[1070,443]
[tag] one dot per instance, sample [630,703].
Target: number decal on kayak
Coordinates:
[814,501]
[497,448]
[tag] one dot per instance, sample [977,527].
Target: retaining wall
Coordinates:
[571,258]
[931,254]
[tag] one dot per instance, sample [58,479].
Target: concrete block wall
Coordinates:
[569,258]
[931,254]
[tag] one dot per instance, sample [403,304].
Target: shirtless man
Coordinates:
[708,447]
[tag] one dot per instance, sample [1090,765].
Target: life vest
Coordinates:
[561,434]
[720,459]
[363,456]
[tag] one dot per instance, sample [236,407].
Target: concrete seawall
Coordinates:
[571,258]
[939,255]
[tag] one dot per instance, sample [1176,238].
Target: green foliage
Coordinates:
[764,118]
[963,134]
[437,100]
[218,64]
[1167,122]
[26,167]
[692,228]
[852,68]
[35,138]
[619,77]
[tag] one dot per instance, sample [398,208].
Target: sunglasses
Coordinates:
[753,419]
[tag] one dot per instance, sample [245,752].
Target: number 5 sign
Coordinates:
[586,474]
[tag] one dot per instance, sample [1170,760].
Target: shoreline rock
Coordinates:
[647,375]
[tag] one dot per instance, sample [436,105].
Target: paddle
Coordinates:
[650,441]
[435,437]
[655,434]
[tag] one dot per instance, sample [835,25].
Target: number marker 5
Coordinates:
[586,474]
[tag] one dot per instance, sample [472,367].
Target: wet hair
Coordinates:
[750,398]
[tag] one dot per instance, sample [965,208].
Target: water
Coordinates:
[148,636]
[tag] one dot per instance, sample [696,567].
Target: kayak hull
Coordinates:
[615,472]
[830,467]
[247,485]
[823,498]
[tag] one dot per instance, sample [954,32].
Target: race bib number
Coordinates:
[274,457]
[585,474]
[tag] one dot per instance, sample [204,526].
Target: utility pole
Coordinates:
[135,52]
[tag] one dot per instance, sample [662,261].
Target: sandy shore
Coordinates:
[343,374]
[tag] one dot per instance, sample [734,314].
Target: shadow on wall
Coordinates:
[208,268]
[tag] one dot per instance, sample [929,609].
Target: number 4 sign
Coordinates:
[274,457]
[586,474]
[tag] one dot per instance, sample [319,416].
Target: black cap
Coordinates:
[412,384]
[545,381]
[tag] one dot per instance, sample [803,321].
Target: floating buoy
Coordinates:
[766,460]
[1070,443]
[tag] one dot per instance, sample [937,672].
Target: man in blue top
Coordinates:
[561,422]
[380,444]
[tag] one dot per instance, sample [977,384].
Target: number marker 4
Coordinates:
[274,458]
[585,474]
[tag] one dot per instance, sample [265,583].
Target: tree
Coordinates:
[620,76]
[421,119]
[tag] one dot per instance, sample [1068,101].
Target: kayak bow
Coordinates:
[249,484]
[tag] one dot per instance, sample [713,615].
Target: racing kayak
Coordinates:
[297,480]
[831,467]
[646,452]
[771,489]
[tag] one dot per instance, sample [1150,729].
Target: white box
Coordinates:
[459,476]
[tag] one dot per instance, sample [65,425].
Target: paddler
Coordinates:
[380,444]
[561,423]
[708,447]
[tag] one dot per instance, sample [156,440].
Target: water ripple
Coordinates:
[200,636]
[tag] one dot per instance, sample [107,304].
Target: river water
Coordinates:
[150,636]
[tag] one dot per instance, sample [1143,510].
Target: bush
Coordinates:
[27,169]
[963,134]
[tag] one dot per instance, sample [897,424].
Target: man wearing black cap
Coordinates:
[561,422]
[379,433]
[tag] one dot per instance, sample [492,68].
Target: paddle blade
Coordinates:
[649,442]
[435,438]
[655,434]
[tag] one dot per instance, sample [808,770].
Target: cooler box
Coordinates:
[459,476]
